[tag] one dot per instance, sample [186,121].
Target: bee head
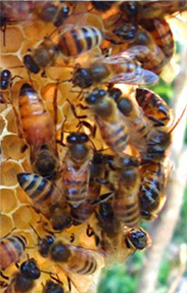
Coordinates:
[95,97]
[137,239]
[30,270]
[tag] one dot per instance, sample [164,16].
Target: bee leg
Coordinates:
[89,231]
[158,122]
[102,198]
[74,111]
[3,276]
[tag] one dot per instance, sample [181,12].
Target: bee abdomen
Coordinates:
[85,265]
[11,250]
[80,40]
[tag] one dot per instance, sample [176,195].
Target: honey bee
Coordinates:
[76,169]
[132,10]
[107,221]
[85,210]
[134,118]
[74,259]
[71,43]
[50,12]
[119,68]
[24,280]
[151,190]
[162,35]
[11,250]
[125,201]
[46,162]
[52,287]
[37,124]
[154,107]
[41,191]
[109,119]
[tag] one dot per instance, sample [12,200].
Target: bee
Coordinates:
[162,35]
[41,191]
[11,250]
[134,118]
[106,220]
[56,14]
[52,287]
[76,169]
[71,43]
[132,10]
[151,190]
[125,201]
[85,210]
[37,123]
[24,280]
[74,259]
[154,107]
[102,6]
[46,162]
[118,68]
[109,119]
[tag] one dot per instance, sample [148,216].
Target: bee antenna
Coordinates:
[178,120]
[35,232]
[18,66]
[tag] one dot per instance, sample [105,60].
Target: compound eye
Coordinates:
[125,106]
[132,8]
[115,93]
[73,138]
[83,138]
[6,73]
[50,240]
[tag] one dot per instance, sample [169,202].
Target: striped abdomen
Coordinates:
[40,190]
[79,40]
[115,134]
[150,192]
[11,249]
[37,124]
[162,34]
[126,201]
[75,182]
[81,262]
[85,210]
[153,107]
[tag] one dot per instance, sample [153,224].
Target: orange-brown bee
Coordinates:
[138,125]
[151,190]
[74,259]
[154,107]
[71,43]
[37,123]
[125,201]
[134,11]
[85,210]
[109,119]
[11,249]
[53,12]
[162,35]
[76,169]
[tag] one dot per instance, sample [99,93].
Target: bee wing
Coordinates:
[139,76]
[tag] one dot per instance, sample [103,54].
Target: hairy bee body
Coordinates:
[133,116]
[76,169]
[154,107]
[40,190]
[162,35]
[79,40]
[11,249]
[126,202]
[37,124]
[109,119]
[151,188]
[74,259]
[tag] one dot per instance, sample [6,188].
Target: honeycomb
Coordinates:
[17,214]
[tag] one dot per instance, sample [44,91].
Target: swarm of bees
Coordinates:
[84,143]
